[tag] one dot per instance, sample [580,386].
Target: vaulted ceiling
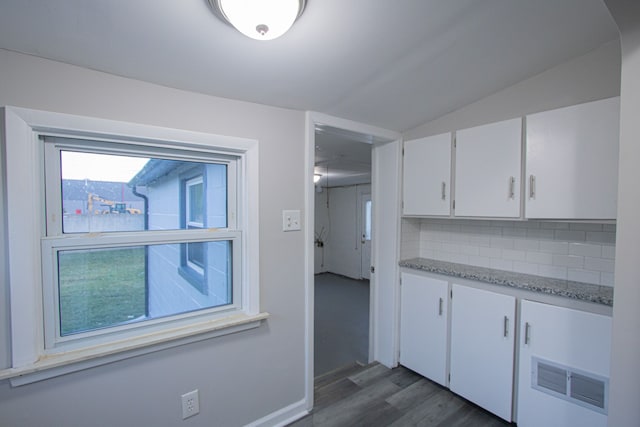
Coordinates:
[393,64]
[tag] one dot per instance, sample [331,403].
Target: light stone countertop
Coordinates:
[565,288]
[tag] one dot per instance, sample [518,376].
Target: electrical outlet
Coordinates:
[291,220]
[190,404]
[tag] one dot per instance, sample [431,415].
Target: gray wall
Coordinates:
[625,356]
[241,377]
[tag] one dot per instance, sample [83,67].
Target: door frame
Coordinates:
[378,340]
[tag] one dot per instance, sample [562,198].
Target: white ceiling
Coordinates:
[393,64]
[342,157]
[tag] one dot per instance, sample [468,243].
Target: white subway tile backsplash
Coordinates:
[513,255]
[554,225]
[459,258]
[502,264]
[601,236]
[581,251]
[539,258]
[451,247]
[499,242]
[585,226]
[584,276]
[553,271]
[514,232]
[570,235]
[599,264]
[572,261]
[526,244]
[478,240]
[470,250]
[608,252]
[540,234]
[526,267]
[606,279]
[554,247]
[480,261]
[585,249]
[490,252]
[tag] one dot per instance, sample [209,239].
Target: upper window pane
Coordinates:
[113,192]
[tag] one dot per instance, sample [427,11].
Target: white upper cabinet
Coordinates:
[488,170]
[572,162]
[426,176]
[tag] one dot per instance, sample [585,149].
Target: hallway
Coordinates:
[341,322]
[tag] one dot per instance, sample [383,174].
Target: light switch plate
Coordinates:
[291,220]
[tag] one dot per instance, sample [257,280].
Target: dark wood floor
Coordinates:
[374,395]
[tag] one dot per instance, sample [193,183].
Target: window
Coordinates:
[143,240]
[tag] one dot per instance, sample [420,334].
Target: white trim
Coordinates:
[78,360]
[313,119]
[283,416]
[26,226]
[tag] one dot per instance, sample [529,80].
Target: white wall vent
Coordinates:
[573,385]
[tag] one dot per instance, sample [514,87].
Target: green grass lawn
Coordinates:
[100,288]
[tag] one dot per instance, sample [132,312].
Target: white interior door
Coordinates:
[365,234]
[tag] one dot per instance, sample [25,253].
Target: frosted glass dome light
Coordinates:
[259,19]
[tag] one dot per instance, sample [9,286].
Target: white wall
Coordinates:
[241,377]
[625,357]
[593,76]
[338,210]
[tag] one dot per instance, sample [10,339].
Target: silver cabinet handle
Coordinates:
[444,188]
[527,328]
[440,307]
[532,186]
[512,187]
[506,326]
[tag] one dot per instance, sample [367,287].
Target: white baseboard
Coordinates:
[283,416]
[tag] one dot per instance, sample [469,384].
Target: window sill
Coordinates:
[49,366]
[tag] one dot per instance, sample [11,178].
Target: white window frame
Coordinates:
[192,224]
[32,358]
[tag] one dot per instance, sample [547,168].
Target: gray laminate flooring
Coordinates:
[341,331]
[374,395]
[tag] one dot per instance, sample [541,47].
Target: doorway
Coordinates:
[386,154]
[342,248]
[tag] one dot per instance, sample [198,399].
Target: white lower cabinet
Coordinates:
[423,326]
[482,348]
[564,358]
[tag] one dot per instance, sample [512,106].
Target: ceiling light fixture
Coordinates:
[259,19]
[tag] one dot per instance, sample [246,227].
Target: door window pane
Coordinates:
[367,220]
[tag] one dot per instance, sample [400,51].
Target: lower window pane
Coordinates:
[102,288]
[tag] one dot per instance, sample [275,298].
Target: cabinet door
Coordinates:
[572,161]
[427,175]
[563,367]
[482,348]
[487,169]
[423,326]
